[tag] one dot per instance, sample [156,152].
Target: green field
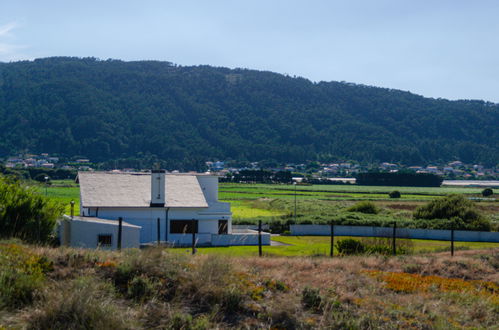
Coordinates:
[267,202]
[320,246]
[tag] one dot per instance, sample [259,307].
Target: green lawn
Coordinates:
[320,245]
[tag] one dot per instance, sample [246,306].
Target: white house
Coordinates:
[168,207]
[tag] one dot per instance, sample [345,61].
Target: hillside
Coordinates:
[47,288]
[109,110]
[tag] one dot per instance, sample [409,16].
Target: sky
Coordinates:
[438,48]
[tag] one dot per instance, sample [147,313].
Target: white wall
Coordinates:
[209,186]
[367,231]
[84,234]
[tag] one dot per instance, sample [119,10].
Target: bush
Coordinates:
[26,214]
[22,274]
[487,192]
[395,194]
[311,298]
[364,207]
[457,208]
[140,288]
[350,246]
[85,303]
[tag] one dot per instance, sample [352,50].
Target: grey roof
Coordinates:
[99,220]
[108,189]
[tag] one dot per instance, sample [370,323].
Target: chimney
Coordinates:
[158,188]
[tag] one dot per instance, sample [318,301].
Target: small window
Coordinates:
[223,227]
[183,226]
[104,240]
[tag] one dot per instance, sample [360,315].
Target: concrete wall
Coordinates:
[252,227]
[209,186]
[84,234]
[365,231]
[147,219]
[247,238]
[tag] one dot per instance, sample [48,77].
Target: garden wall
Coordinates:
[367,231]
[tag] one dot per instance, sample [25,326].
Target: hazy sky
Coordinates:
[436,48]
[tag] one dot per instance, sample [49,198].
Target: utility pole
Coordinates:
[294,183]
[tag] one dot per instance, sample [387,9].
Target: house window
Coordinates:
[104,240]
[223,227]
[183,226]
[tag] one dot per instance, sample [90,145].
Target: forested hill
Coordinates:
[108,110]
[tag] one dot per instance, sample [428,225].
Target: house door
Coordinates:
[223,227]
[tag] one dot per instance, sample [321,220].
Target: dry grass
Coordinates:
[157,289]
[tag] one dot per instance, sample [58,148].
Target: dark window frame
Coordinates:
[183,226]
[103,239]
[223,227]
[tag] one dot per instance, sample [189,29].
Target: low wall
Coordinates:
[367,231]
[239,239]
[252,227]
[245,237]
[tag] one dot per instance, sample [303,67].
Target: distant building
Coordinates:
[170,206]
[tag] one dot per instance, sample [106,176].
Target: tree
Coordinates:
[463,213]
[487,192]
[26,214]
[395,194]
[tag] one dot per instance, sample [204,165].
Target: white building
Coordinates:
[166,206]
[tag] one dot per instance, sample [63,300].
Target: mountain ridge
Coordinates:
[185,115]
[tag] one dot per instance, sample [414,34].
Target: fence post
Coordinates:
[332,240]
[159,231]
[193,225]
[120,230]
[452,240]
[260,238]
[394,235]
[72,209]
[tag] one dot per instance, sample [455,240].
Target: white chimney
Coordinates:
[158,188]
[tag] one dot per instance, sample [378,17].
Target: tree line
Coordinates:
[148,111]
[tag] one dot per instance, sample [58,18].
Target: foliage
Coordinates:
[394,194]
[25,214]
[311,298]
[116,112]
[364,207]
[399,179]
[211,292]
[83,303]
[350,246]
[487,192]
[463,213]
[22,273]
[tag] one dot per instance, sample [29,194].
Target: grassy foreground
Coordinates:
[42,288]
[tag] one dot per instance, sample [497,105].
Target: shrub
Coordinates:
[350,246]
[140,288]
[487,192]
[22,274]
[395,194]
[364,207]
[462,211]
[26,214]
[85,303]
[311,298]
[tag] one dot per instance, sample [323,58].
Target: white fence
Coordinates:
[366,231]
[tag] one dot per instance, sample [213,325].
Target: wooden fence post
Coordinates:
[260,238]
[332,240]
[193,225]
[159,231]
[394,235]
[452,240]
[120,230]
